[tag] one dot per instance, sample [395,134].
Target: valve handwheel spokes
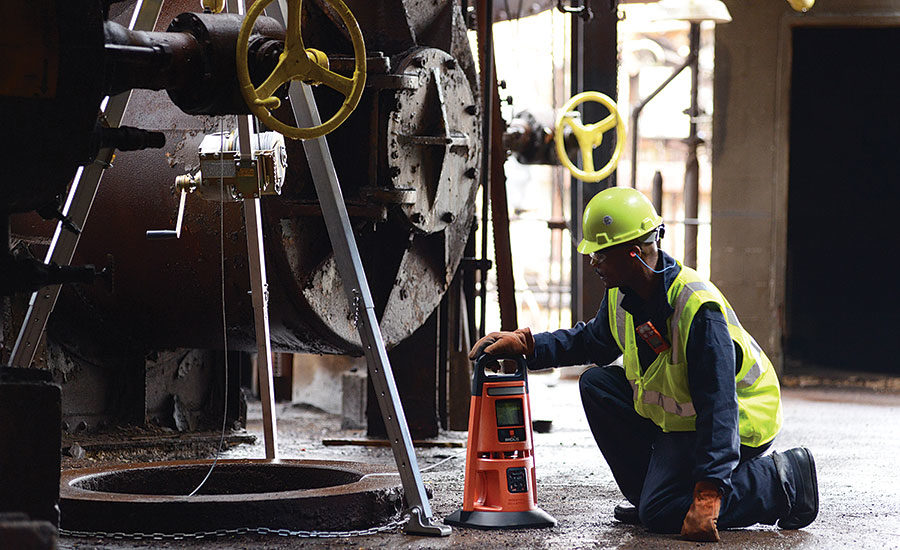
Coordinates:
[300,63]
[589,136]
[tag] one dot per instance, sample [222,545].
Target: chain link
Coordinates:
[219,533]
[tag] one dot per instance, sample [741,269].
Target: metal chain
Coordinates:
[219,533]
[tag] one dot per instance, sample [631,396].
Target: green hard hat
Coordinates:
[615,216]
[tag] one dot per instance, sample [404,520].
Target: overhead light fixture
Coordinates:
[696,11]
[801,5]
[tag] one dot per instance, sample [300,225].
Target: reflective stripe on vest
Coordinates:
[661,392]
[684,295]
[620,320]
[681,301]
[754,372]
[668,404]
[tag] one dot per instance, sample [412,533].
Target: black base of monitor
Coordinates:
[532,519]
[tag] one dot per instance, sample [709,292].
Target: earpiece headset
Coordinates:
[653,236]
[634,255]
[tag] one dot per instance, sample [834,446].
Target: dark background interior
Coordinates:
[842,300]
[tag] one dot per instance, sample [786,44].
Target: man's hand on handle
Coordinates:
[517,342]
[700,521]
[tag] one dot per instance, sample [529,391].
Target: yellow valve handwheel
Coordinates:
[299,63]
[589,136]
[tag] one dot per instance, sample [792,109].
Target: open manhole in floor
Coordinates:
[307,495]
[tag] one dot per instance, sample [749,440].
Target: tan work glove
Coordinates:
[517,342]
[700,521]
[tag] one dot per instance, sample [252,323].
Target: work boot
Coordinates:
[626,513]
[797,468]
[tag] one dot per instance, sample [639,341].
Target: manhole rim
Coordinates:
[367,481]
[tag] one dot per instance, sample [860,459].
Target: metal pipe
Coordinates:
[689,61]
[692,167]
[576,264]
[657,192]
[487,70]
[594,67]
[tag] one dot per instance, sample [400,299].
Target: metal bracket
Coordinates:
[419,524]
[583,11]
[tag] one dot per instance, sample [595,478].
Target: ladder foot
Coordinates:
[421,525]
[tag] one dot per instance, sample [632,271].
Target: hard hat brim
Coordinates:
[588,247]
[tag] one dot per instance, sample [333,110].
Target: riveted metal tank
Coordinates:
[408,160]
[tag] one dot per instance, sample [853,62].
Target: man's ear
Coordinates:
[650,248]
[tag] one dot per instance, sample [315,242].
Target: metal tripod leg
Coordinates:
[259,290]
[260,293]
[77,207]
[259,287]
[356,287]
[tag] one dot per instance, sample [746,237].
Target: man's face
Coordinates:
[614,265]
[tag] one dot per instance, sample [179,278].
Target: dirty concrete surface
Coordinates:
[852,432]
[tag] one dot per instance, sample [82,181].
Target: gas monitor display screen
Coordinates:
[509,412]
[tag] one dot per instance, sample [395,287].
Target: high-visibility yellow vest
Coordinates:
[661,392]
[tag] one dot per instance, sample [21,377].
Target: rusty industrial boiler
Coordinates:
[141,334]
[408,158]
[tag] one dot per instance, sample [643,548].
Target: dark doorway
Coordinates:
[843,303]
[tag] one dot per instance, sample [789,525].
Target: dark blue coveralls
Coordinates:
[657,471]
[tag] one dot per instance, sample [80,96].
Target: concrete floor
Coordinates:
[853,434]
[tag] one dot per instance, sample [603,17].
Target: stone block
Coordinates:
[19,532]
[30,435]
[353,400]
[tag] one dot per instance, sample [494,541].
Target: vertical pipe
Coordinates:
[468,290]
[594,67]
[634,144]
[576,77]
[657,192]
[636,113]
[486,45]
[692,167]
[554,300]
[445,332]
[503,268]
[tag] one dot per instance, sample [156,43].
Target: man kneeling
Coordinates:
[685,421]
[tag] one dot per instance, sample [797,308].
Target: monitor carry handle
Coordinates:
[480,376]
